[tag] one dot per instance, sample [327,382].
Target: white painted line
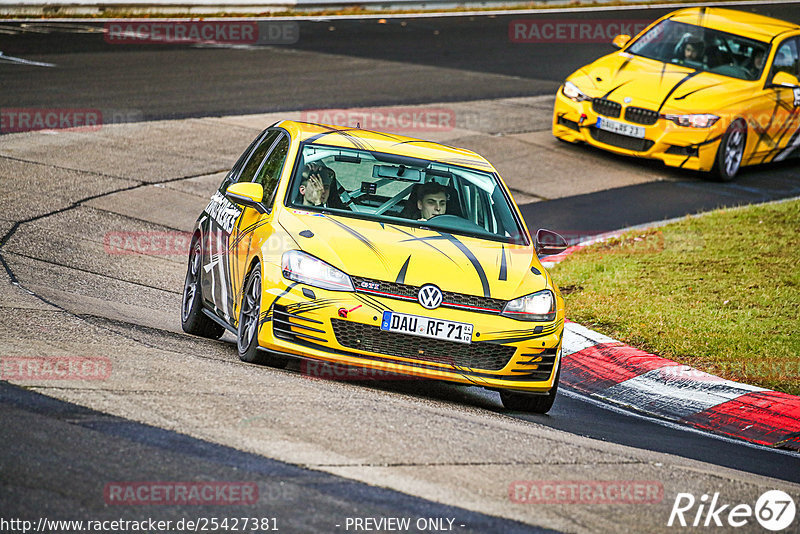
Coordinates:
[21,61]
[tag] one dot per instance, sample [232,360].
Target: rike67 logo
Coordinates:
[774,510]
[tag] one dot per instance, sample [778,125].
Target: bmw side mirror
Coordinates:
[247,194]
[784,79]
[548,242]
[621,40]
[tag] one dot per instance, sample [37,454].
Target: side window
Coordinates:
[237,167]
[786,58]
[270,171]
[257,156]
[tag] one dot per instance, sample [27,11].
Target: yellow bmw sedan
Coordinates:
[381,252]
[707,89]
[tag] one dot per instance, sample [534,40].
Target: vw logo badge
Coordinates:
[627,100]
[430,296]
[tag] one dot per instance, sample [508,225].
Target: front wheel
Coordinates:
[193,320]
[249,322]
[521,402]
[731,151]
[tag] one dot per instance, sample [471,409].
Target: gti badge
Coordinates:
[429,296]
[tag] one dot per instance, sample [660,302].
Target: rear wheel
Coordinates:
[193,320]
[731,151]
[249,322]
[522,402]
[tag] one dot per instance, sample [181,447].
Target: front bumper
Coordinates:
[676,146]
[344,328]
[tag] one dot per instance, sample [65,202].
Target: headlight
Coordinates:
[539,306]
[698,120]
[572,92]
[307,269]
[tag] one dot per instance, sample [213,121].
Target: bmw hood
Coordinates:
[658,86]
[415,256]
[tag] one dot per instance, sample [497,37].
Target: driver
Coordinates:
[431,200]
[315,187]
[693,50]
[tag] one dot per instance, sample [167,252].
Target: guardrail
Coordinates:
[149,8]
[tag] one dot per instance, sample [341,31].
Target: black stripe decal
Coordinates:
[424,240]
[369,244]
[503,274]
[683,81]
[620,85]
[401,276]
[475,263]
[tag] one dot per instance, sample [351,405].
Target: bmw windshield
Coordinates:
[400,190]
[702,49]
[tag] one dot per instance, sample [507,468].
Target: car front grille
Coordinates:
[609,108]
[621,141]
[409,292]
[486,356]
[641,115]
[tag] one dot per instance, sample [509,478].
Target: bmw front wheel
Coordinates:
[731,151]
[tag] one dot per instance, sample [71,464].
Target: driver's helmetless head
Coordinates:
[432,200]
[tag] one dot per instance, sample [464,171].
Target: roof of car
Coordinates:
[348,137]
[742,23]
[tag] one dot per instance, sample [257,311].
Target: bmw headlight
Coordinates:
[539,306]
[693,120]
[572,92]
[306,269]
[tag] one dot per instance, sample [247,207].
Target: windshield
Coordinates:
[401,190]
[702,49]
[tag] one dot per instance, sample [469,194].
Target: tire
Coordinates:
[522,402]
[193,320]
[731,151]
[249,321]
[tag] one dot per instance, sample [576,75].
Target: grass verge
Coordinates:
[719,292]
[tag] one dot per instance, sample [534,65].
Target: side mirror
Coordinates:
[784,79]
[621,40]
[548,242]
[247,194]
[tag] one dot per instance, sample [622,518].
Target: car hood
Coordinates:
[659,86]
[415,256]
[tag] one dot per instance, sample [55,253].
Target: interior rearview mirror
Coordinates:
[247,194]
[548,242]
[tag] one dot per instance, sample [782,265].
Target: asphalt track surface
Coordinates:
[334,64]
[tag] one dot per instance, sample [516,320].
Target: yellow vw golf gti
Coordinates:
[706,89]
[381,252]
